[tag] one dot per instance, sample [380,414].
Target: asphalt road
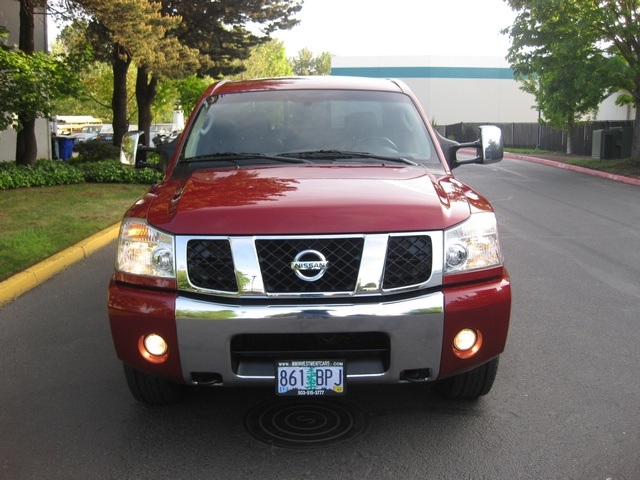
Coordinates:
[566,403]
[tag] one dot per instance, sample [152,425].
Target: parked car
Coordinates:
[105,134]
[102,132]
[310,235]
[88,132]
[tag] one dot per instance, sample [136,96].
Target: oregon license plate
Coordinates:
[310,377]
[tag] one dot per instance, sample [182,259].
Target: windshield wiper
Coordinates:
[233,156]
[344,154]
[295,157]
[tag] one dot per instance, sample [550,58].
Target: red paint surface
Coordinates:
[137,312]
[481,306]
[307,200]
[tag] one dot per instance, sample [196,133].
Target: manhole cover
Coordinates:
[304,424]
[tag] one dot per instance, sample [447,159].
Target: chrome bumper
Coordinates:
[414,326]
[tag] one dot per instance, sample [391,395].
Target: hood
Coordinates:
[297,200]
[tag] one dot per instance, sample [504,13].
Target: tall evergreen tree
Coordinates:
[175,38]
[133,31]
[220,32]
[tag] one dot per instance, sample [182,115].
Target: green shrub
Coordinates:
[111,171]
[45,173]
[95,151]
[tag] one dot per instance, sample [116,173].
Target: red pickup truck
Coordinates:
[309,235]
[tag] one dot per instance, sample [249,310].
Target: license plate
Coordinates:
[310,377]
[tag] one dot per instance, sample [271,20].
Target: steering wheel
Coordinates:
[383,142]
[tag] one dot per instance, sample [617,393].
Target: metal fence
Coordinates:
[532,135]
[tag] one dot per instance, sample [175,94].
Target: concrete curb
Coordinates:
[574,168]
[22,282]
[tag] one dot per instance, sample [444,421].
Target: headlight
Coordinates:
[473,244]
[143,250]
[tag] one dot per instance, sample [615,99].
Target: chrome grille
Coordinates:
[358,265]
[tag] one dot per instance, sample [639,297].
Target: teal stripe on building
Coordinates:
[425,72]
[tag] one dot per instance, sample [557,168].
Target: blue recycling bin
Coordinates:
[65,148]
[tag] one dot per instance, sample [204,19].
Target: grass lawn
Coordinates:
[625,166]
[35,223]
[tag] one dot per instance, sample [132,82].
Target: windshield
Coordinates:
[307,121]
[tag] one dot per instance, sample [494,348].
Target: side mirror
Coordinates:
[489,147]
[134,152]
[129,148]
[492,147]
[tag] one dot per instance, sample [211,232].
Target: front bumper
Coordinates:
[239,344]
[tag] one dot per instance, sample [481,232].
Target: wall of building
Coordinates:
[10,19]
[461,89]
[609,111]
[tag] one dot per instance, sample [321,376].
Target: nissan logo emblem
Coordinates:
[309,265]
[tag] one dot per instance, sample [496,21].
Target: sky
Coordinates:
[401,27]
[397,27]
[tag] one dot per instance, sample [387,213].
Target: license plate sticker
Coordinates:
[310,377]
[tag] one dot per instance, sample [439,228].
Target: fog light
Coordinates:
[465,339]
[467,343]
[155,345]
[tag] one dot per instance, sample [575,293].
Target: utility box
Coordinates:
[612,143]
[603,144]
[626,141]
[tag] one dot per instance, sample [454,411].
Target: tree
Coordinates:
[29,82]
[266,60]
[218,32]
[91,35]
[559,63]
[225,30]
[115,32]
[95,76]
[323,64]
[306,64]
[578,50]
[189,91]
[174,38]
[26,143]
[131,31]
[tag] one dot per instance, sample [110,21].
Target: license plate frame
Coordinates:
[310,377]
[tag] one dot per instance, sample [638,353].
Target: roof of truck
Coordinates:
[308,83]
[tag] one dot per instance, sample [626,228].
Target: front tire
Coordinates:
[152,390]
[471,384]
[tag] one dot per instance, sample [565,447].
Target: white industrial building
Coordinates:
[462,89]
[10,19]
